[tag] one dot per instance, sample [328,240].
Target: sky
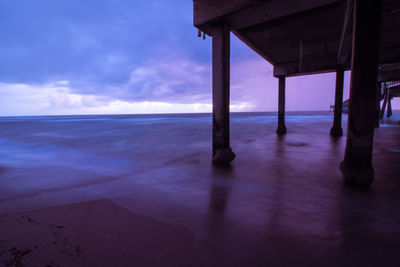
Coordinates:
[63,57]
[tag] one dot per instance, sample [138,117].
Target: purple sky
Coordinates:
[125,56]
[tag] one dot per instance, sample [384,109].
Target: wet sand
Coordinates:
[134,191]
[94,233]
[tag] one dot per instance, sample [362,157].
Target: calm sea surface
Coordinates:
[42,154]
[281,193]
[115,144]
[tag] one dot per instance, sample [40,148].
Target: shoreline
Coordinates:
[281,200]
[395,113]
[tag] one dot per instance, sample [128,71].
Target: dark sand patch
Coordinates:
[95,233]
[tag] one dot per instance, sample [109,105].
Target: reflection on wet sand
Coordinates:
[280,203]
[215,240]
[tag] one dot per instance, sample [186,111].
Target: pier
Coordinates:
[389,90]
[142,203]
[139,190]
[303,38]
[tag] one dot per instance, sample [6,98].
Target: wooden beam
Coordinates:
[211,11]
[246,13]
[253,46]
[309,66]
[272,10]
[344,51]
[389,73]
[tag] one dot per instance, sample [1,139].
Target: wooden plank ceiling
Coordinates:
[299,36]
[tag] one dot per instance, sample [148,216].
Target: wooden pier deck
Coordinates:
[300,37]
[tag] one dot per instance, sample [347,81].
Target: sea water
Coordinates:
[115,144]
[109,156]
[281,194]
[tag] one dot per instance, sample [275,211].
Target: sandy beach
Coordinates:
[126,190]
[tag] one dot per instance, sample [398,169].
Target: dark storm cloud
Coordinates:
[99,45]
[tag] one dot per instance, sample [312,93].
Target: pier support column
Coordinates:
[357,167]
[378,104]
[389,106]
[222,152]
[336,129]
[281,107]
[385,100]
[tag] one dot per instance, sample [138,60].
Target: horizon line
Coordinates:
[166,113]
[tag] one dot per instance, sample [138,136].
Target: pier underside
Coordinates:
[307,37]
[299,37]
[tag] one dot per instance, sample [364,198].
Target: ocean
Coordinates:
[41,154]
[118,145]
[286,189]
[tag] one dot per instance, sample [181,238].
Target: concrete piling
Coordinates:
[336,129]
[281,107]
[357,167]
[222,152]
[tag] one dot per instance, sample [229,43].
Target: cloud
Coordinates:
[91,43]
[73,56]
[172,86]
[252,82]
[116,50]
[52,98]
[170,79]
[58,99]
